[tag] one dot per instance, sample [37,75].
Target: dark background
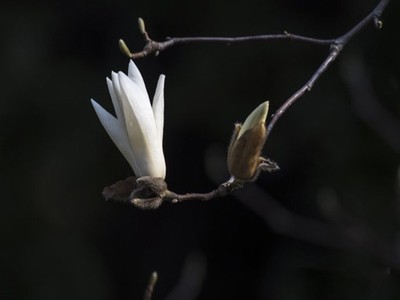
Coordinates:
[338,153]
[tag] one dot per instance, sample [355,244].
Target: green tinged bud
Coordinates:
[142,27]
[124,48]
[257,116]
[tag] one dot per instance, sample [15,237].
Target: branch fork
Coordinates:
[149,192]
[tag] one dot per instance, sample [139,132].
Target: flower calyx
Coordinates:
[144,192]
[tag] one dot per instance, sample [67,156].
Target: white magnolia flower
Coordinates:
[138,128]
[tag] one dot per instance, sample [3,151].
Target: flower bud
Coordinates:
[142,27]
[124,48]
[244,153]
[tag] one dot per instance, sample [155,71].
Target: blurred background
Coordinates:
[326,226]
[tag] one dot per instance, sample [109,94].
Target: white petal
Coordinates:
[115,101]
[141,129]
[135,75]
[116,86]
[116,130]
[139,91]
[256,117]
[158,106]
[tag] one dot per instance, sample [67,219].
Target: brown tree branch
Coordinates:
[150,195]
[223,190]
[336,47]
[358,239]
[154,47]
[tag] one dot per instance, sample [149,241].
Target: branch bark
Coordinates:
[336,46]
[273,213]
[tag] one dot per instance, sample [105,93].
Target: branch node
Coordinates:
[378,23]
[337,46]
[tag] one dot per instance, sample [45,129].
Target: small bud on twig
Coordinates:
[244,154]
[124,48]
[142,29]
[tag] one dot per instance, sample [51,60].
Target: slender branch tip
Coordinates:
[141,25]
[150,286]
[124,48]
[142,29]
[154,277]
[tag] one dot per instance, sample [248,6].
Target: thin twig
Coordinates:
[223,190]
[336,46]
[155,47]
[273,213]
[148,293]
[305,88]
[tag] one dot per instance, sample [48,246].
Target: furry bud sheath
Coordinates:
[244,152]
